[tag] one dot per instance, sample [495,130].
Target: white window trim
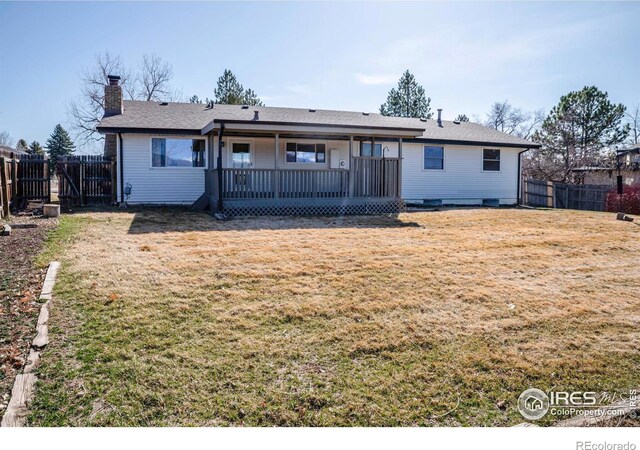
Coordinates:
[482,160]
[229,149]
[184,137]
[444,158]
[308,164]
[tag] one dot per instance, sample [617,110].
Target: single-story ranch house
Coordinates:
[239,159]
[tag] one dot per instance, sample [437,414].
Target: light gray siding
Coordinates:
[157,185]
[462,181]
[263,154]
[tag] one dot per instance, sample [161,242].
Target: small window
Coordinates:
[177,152]
[305,153]
[433,158]
[491,160]
[366,150]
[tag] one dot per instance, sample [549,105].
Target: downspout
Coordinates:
[519,199]
[219,206]
[121,170]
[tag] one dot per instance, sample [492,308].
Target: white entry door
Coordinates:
[241,155]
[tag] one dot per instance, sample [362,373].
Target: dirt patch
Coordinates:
[20,283]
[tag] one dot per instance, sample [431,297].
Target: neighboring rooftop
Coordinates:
[195,117]
[7,151]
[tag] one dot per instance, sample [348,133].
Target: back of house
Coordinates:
[240,159]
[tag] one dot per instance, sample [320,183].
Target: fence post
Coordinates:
[81,187]
[4,187]
[15,190]
[47,174]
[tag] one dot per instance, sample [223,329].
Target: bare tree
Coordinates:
[509,119]
[5,139]
[633,119]
[85,114]
[151,82]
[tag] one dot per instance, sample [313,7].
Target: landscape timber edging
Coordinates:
[23,386]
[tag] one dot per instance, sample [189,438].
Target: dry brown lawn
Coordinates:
[166,317]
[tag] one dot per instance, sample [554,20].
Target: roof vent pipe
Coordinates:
[439,117]
[255,115]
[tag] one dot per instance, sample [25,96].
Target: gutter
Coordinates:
[314,124]
[121,169]
[519,199]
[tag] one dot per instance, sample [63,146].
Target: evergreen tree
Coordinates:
[251,99]
[230,92]
[35,148]
[407,100]
[579,131]
[195,99]
[22,146]
[59,143]
[462,118]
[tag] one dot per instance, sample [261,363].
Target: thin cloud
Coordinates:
[461,55]
[375,79]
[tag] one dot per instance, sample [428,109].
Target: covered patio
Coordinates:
[279,170]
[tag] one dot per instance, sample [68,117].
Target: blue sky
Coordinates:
[323,55]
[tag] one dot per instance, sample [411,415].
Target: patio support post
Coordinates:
[219,207]
[351,167]
[276,174]
[399,192]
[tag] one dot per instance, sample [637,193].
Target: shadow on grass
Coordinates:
[181,219]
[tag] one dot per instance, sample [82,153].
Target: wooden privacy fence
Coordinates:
[86,180]
[376,177]
[23,178]
[589,197]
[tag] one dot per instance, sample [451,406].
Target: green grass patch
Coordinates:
[65,233]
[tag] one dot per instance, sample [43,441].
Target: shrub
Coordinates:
[630,200]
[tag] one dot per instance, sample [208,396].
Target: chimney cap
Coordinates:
[113,79]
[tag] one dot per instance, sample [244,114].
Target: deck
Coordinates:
[372,185]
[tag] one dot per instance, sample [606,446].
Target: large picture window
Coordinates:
[305,153]
[491,160]
[177,152]
[433,158]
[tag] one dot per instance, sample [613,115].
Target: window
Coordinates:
[305,153]
[177,152]
[491,160]
[241,154]
[433,158]
[365,150]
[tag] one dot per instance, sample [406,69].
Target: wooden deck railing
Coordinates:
[284,183]
[369,177]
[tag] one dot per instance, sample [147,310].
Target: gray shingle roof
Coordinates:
[195,117]
[153,115]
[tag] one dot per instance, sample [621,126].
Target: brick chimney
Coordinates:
[113,96]
[112,107]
